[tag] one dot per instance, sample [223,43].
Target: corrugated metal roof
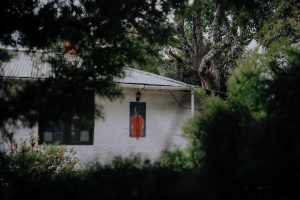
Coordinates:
[134,76]
[26,65]
[35,66]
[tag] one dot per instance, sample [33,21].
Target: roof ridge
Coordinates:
[39,52]
[26,50]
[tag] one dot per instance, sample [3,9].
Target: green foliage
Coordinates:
[177,160]
[245,87]
[111,34]
[248,143]
[245,146]
[30,159]
[242,21]
[28,167]
[250,16]
[131,162]
[251,137]
[195,149]
[283,24]
[4,56]
[126,178]
[283,106]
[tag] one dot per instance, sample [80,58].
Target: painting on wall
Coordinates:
[137,122]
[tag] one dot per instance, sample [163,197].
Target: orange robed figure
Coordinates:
[137,123]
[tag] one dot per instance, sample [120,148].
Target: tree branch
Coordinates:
[220,22]
[197,29]
[197,33]
[178,58]
[186,44]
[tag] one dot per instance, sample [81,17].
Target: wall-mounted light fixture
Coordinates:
[138,96]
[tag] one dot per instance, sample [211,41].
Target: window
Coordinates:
[77,129]
[53,131]
[74,131]
[80,131]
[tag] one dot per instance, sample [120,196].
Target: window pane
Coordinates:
[58,126]
[58,136]
[84,124]
[48,137]
[54,126]
[75,125]
[75,129]
[75,136]
[84,136]
[49,125]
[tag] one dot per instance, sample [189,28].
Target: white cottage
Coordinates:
[129,127]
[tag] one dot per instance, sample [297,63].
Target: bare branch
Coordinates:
[199,47]
[197,33]
[197,29]
[186,44]
[220,22]
[178,58]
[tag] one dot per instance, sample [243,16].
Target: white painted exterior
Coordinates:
[164,120]
[164,116]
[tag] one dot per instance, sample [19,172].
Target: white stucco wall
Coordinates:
[164,120]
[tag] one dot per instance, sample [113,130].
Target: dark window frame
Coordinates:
[42,123]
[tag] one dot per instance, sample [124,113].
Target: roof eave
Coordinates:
[156,87]
[123,85]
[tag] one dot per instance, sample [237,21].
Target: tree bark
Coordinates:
[210,63]
[186,46]
[211,67]
[199,48]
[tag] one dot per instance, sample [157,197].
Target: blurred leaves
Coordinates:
[249,141]
[111,34]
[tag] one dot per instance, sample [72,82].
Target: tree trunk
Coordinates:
[209,64]
[211,67]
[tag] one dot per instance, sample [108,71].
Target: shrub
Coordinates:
[28,157]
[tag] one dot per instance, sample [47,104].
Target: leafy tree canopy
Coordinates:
[248,144]
[107,35]
[212,35]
